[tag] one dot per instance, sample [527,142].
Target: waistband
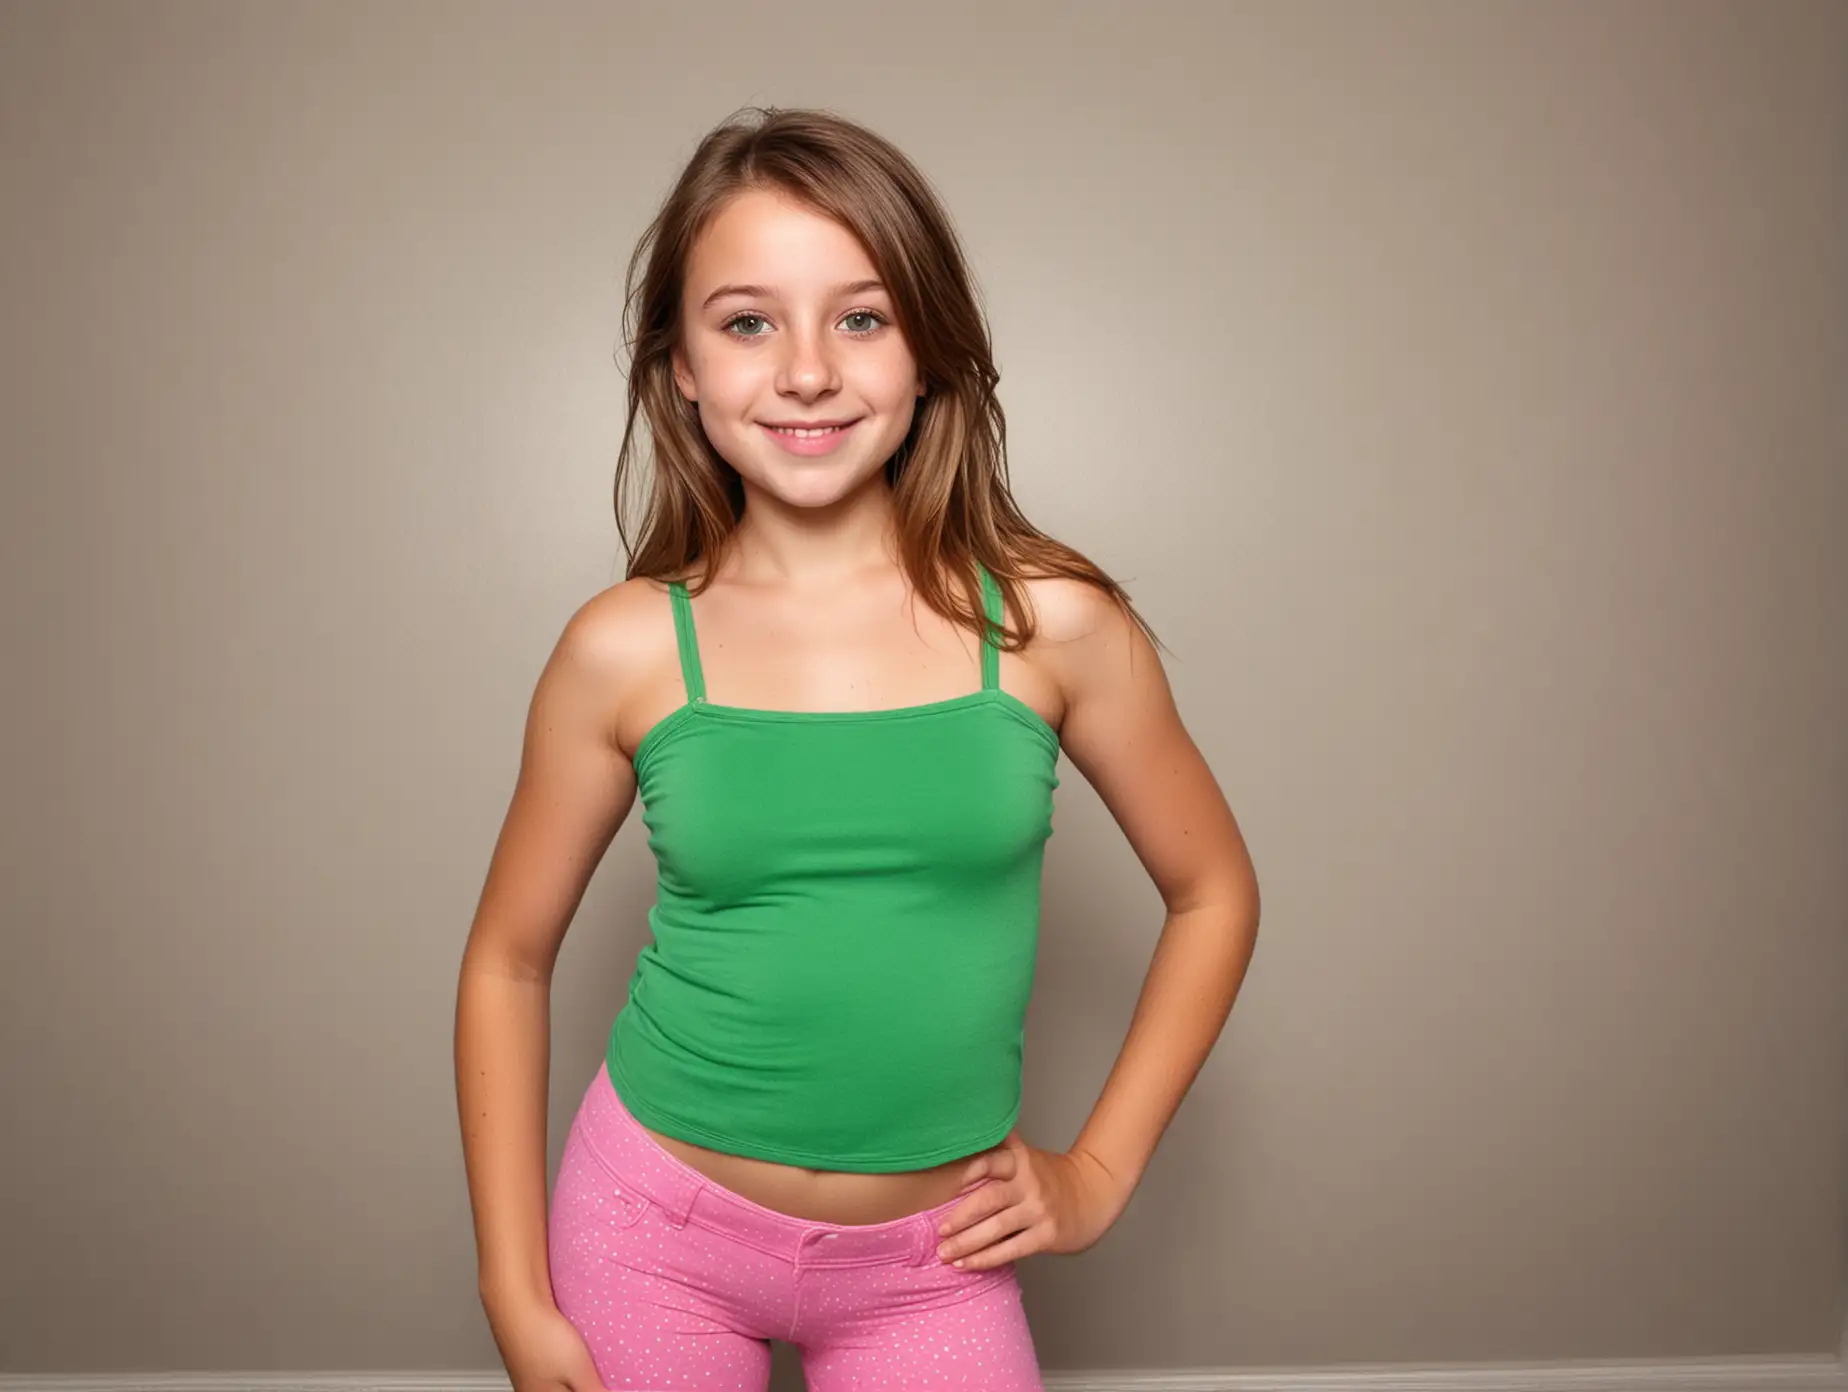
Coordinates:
[684,1195]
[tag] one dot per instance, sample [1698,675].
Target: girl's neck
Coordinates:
[813,548]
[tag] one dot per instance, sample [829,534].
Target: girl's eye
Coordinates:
[877,322]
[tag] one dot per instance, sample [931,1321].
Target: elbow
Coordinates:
[501,959]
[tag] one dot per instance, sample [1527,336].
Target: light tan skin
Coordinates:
[810,612]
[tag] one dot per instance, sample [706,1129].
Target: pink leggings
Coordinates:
[678,1283]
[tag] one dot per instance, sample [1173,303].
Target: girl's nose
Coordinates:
[809,365]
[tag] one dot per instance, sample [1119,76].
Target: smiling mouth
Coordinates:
[809,433]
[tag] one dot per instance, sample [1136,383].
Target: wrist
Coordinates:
[1115,1183]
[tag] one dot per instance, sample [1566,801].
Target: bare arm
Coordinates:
[1123,733]
[574,789]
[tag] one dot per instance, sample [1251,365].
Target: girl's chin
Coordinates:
[814,487]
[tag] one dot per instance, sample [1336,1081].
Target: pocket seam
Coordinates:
[635,1203]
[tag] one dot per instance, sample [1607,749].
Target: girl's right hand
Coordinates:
[544,1352]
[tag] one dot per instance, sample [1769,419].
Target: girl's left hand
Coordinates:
[1038,1201]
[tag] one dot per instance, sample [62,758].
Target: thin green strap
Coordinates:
[991,654]
[689,643]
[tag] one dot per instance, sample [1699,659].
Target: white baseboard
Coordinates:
[1800,1373]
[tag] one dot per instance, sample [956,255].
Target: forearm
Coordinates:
[1194,977]
[502,1054]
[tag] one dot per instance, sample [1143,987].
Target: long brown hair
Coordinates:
[948,478]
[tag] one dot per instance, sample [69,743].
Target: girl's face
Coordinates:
[784,324]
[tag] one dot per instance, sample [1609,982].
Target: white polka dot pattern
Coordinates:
[678,1283]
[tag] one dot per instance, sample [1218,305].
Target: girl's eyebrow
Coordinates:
[764,292]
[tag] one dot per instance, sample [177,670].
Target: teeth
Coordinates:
[808,434]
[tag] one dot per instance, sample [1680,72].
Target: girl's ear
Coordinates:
[683,376]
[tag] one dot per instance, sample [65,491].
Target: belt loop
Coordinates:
[927,1240]
[682,1207]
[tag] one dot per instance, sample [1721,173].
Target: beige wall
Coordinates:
[1459,387]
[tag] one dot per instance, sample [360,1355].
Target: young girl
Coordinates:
[839,676]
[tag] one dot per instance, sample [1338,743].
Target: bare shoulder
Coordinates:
[621,627]
[1068,611]
[616,648]
[1084,643]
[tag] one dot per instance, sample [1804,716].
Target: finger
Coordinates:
[1003,1162]
[990,1200]
[979,1235]
[1022,1244]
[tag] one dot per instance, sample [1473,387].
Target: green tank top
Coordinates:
[845,924]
